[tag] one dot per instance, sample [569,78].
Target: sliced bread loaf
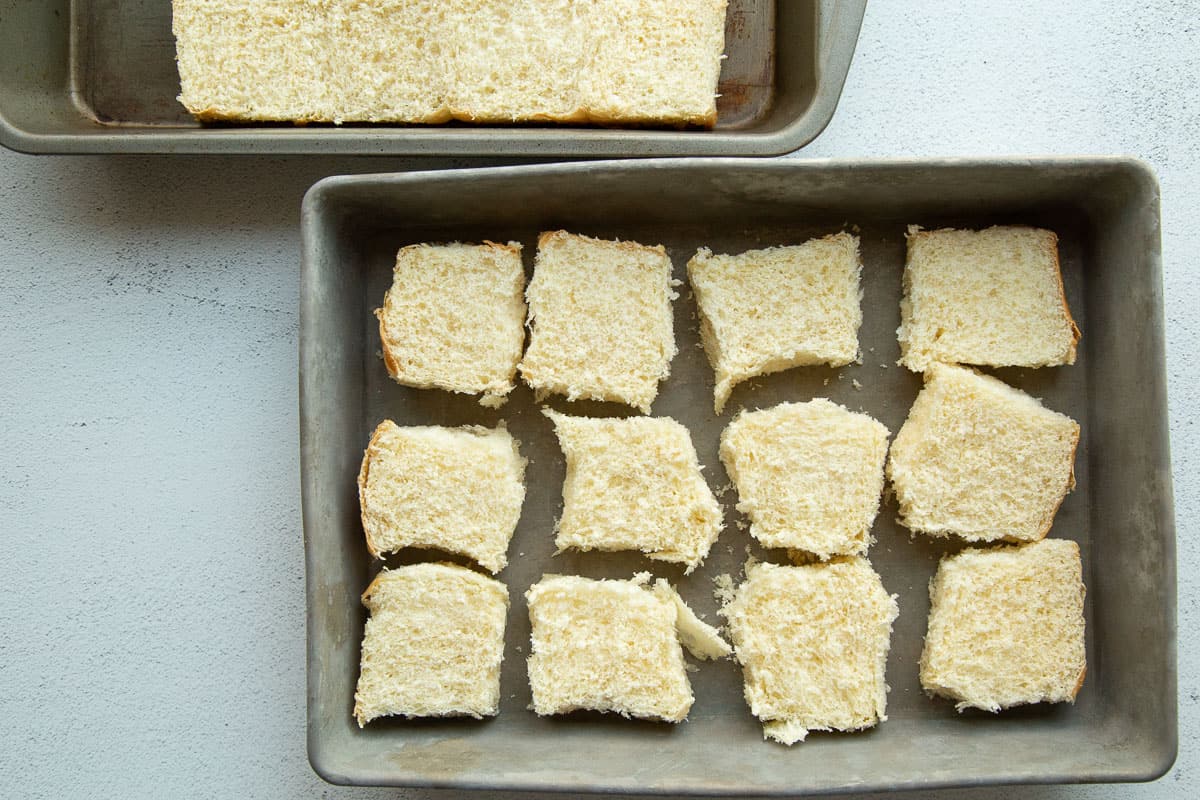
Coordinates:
[458,490]
[599,319]
[609,645]
[454,318]
[769,310]
[432,645]
[634,484]
[813,642]
[808,475]
[981,460]
[1006,626]
[992,297]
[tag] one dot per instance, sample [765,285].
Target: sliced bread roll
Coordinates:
[1006,626]
[599,319]
[992,297]
[813,642]
[432,645]
[458,490]
[981,460]
[634,484]
[454,318]
[769,310]
[609,645]
[808,475]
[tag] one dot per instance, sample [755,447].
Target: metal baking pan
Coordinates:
[1106,213]
[99,76]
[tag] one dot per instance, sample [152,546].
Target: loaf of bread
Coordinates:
[992,297]
[432,645]
[769,310]
[981,460]
[421,61]
[634,484]
[609,645]
[600,320]
[808,475]
[458,490]
[813,643]
[1006,626]
[454,318]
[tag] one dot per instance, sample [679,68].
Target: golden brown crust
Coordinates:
[363,474]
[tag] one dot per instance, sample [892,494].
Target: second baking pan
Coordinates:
[99,76]
[1106,214]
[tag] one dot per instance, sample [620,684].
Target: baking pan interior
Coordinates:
[100,76]
[1105,213]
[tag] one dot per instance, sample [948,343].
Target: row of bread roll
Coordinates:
[599,312]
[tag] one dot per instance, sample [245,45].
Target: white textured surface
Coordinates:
[151,609]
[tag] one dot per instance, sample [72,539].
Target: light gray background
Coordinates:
[151,569]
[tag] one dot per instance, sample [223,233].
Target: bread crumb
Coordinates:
[724,590]
[857,386]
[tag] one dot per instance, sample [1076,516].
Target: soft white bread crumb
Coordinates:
[600,320]
[808,475]
[432,645]
[458,490]
[454,318]
[608,645]
[1006,626]
[769,310]
[813,643]
[979,459]
[992,297]
[634,484]
[425,61]
[654,60]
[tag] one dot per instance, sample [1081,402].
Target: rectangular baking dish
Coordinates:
[99,76]
[1106,213]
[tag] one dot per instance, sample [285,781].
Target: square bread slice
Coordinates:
[454,318]
[600,320]
[981,460]
[458,490]
[769,310]
[610,645]
[518,60]
[1006,626]
[311,60]
[992,297]
[634,484]
[655,60]
[432,645]
[813,643]
[808,475]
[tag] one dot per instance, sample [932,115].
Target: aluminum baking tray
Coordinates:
[1106,213]
[98,76]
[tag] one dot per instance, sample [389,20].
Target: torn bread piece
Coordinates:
[454,318]
[992,298]
[458,490]
[600,320]
[1006,626]
[981,460]
[613,645]
[634,484]
[769,310]
[433,644]
[813,642]
[808,475]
